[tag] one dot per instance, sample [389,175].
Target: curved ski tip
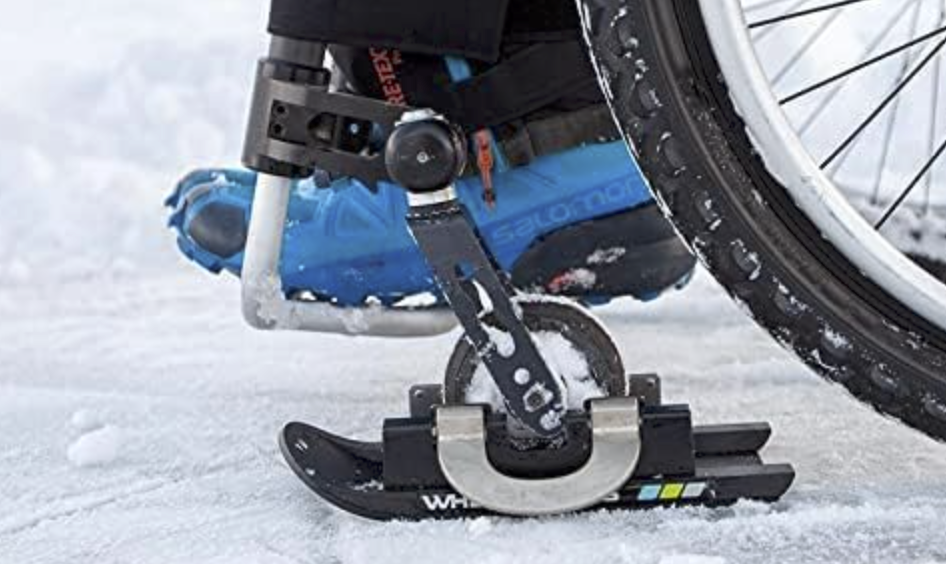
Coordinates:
[297,446]
[290,431]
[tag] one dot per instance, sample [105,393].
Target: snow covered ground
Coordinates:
[138,415]
[139,420]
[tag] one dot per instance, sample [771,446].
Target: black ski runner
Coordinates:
[399,478]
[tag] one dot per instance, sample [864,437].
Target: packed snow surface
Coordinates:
[115,351]
[198,398]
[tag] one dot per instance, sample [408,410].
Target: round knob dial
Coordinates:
[425,156]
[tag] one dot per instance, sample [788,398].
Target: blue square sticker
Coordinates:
[649,493]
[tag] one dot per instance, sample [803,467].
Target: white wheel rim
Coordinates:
[787,159]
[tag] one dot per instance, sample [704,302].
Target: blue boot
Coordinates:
[580,223]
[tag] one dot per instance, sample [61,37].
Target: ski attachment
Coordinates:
[403,478]
[531,452]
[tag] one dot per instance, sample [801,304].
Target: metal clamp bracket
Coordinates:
[616,449]
[299,122]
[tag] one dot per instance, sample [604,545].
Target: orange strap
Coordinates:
[484,160]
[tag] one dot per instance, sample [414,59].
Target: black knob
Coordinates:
[425,156]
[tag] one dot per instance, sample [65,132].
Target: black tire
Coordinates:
[671,100]
[552,315]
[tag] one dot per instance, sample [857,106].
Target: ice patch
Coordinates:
[97,448]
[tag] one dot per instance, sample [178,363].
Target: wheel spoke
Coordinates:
[804,13]
[920,50]
[909,59]
[812,39]
[883,106]
[892,120]
[769,30]
[759,6]
[934,117]
[869,51]
[913,184]
[863,65]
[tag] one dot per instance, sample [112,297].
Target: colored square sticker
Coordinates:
[671,492]
[649,493]
[694,490]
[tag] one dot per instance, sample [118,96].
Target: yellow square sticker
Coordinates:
[671,492]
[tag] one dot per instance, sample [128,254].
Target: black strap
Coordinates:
[542,20]
[523,142]
[467,28]
[475,29]
[528,81]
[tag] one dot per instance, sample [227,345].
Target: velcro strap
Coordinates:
[533,78]
[523,142]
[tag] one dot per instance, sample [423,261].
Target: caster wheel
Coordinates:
[579,351]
